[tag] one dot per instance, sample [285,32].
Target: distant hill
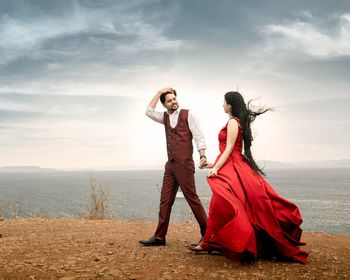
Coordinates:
[341,163]
[268,164]
[24,169]
[323,163]
[265,164]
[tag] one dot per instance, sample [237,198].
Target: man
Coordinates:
[180,127]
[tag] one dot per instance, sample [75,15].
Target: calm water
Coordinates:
[323,195]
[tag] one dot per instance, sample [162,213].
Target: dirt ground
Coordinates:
[108,249]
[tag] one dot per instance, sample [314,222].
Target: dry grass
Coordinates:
[10,210]
[98,205]
[15,209]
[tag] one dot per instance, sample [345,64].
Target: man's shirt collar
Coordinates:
[175,112]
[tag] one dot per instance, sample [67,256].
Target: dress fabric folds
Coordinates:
[247,216]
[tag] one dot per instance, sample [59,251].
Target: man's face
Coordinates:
[171,103]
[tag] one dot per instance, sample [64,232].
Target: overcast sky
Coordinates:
[76,77]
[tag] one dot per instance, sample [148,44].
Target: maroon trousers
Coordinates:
[179,174]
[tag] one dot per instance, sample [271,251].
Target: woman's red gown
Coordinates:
[247,216]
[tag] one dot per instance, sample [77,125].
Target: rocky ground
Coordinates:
[109,249]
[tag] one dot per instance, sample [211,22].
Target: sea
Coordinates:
[323,194]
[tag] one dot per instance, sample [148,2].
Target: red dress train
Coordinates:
[246,215]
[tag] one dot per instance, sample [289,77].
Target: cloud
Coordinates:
[109,28]
[12,116]
[16,108]
[65,126]
[64,66]
[310,38]
[21,37]
[329,109]
[84,43]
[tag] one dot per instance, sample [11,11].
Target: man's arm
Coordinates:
[150,112]
[198,137]
[155,99]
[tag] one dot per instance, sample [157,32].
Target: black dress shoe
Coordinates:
[194,244]
[153,241]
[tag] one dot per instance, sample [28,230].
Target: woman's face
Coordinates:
[227,107]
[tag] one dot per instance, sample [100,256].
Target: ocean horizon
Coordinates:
[322,194]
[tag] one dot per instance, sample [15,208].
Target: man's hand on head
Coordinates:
[165,90]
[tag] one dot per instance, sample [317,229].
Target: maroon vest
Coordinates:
[179,138]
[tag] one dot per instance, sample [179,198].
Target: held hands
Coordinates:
[203,163]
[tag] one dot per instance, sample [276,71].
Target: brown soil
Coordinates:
[109,249]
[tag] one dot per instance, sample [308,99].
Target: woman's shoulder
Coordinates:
[233,122]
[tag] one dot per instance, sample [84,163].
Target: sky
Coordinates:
[76,77]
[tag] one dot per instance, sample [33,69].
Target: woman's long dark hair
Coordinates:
[246,116]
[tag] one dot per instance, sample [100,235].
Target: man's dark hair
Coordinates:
[162,97]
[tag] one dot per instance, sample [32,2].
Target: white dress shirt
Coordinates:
[173,118]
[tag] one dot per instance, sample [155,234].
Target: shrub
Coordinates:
[98,207]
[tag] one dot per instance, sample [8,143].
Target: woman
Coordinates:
[247,218]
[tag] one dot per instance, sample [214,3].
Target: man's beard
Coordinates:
[172,109]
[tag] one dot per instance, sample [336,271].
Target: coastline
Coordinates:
[39,248]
